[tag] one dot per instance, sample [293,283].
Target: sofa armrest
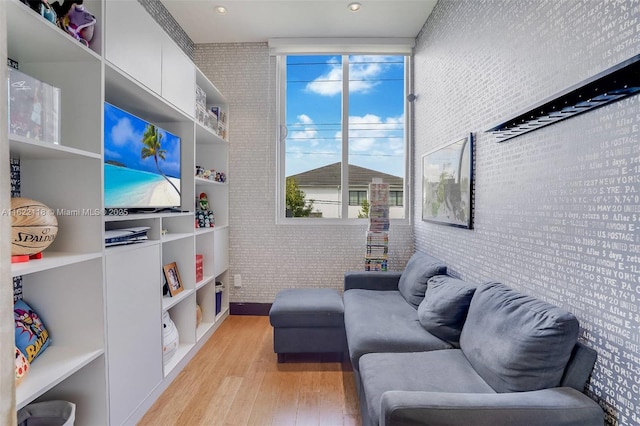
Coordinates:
[555,406]
[371,280]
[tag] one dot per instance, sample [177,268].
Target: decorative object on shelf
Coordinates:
[610,85]
[12,64]
[211,174]
[204,217]
[198,315]
[32,337]
[34,108]
[75,20]
[22,366]
[170,337]
[43,8]
[172,275]
[218,119]
[58,413]
[447,176]
[199,267]
[33,228]
[219,290]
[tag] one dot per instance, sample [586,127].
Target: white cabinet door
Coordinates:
[178,77]
[134,42]
[134,328]
[220,251]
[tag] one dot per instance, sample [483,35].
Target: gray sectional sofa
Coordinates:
[430,349]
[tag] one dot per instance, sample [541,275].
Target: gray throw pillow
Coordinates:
[516,342]
[444,307]
[413,281]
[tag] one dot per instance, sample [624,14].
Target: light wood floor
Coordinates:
[235,380]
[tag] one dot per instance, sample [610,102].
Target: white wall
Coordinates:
[272,257]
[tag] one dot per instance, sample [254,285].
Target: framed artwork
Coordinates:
[172,276]
[447,176]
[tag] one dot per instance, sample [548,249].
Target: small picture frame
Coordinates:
[172,275]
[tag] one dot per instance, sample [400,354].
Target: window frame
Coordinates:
[281,135]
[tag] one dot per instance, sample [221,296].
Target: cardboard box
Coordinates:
[34,108]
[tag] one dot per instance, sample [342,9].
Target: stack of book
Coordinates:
[378,231]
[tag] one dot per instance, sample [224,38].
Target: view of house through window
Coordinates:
[345,125]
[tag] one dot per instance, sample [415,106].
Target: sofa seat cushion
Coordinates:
[517,342]
[382,321]
[413,281]
[445,306]
[434,371]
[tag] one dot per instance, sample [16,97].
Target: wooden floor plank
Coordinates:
[235,380]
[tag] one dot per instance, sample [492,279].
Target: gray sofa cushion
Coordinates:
[413,281]
[517,342]
[435,371]
[382,321]
[445,306]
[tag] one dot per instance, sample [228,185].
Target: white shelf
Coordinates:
[222,313]
[130,246]
[50,260]
[207,136]
[170,302]
[77,268]
[203,328]
[177,236]
[181,352]
[50,368]
[31,41]
[207,279]
[33,149]
[201,181]
[142,216]
[201,231]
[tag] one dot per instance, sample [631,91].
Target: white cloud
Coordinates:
[123,132]
[371,135]
[309,132]
[363,71]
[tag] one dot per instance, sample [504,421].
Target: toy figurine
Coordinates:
[75,20]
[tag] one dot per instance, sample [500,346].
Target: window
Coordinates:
[395,198]
[343,122]
[357,197]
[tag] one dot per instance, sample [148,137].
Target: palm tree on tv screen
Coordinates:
[152,141]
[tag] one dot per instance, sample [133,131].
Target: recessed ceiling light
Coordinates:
[221,10]
[354,7]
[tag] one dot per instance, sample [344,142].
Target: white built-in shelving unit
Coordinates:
[103,306]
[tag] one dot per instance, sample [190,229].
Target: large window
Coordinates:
[343,123]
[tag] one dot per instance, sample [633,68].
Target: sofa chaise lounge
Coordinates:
[430,349]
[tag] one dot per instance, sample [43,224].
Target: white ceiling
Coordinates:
[261,20]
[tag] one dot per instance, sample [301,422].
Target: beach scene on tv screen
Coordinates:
[141,162]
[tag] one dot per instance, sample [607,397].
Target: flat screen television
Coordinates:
[141,163]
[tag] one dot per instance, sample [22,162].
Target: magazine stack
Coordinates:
[378,232]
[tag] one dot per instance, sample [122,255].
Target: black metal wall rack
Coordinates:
[613,84]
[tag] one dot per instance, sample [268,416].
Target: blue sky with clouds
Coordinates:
[123,143]
[376,112]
